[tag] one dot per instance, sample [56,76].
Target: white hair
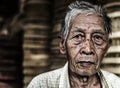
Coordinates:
[82,7]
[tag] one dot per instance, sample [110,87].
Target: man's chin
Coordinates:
[86,73]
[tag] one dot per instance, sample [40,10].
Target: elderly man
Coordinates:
[85,41]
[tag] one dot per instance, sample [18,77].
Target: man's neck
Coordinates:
[78,81]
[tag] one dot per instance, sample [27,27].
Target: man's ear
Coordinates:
[109,44]
[61,46]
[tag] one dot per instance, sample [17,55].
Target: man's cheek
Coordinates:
[101,52]
[102,48]
[72,51]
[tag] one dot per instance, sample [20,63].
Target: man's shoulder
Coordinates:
[50,78]
[111,78]
[50,74]
[110,75]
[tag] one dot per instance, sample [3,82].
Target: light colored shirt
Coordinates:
[59,79]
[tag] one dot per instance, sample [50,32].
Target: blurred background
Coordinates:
[29,39]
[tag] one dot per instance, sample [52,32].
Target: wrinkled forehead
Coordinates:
[87,20]
[91,18]
[89,23]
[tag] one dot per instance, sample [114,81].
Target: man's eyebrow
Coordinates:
[99,31]
[95,31]
[78,30]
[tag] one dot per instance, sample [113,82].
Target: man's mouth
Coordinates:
[85,63]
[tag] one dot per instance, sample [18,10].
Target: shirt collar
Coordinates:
[64,79]
[104,83]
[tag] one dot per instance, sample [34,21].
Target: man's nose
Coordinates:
[87,48]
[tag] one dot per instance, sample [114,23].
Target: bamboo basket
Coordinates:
[37,29]
[11,57]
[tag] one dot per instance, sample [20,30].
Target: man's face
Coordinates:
[86,44]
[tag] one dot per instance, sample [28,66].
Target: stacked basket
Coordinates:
[37,28]
[11,61]
[57,59]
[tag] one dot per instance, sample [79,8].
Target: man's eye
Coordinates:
[98,39]
[79,37]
